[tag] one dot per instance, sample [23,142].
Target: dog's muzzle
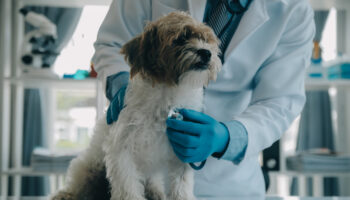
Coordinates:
[204,56]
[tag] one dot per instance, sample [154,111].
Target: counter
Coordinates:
[268,198]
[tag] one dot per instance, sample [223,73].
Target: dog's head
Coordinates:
[175,49]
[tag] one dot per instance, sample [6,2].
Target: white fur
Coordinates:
[135,149]
[138,147]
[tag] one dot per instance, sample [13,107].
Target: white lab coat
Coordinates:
[261,83]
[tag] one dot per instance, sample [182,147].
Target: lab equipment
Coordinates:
[336,69]
[319,161]
[316,71]
[78,75]
[341,70]
[175,114]
[37,43]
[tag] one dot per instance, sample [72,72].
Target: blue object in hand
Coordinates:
[197,137]
[116,105]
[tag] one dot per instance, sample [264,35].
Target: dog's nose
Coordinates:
[204,54]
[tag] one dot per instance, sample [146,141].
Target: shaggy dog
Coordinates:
[171,62]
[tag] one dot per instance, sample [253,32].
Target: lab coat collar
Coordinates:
[197,8]
[253,18]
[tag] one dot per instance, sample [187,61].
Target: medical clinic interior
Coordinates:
[275,124]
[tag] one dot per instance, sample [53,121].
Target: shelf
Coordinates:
[328,4]
[310,174]
[27,171]
[322,84]
[211,198]
[65,3]
[316,4]
[24,198]
[86,84]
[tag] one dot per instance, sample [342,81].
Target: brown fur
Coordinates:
[157,52]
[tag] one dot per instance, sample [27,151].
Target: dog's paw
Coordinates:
[181,197]
[155,195]
[63,196]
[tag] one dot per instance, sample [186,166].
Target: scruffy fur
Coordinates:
[170,62]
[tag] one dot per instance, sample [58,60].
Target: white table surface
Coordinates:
[268,198]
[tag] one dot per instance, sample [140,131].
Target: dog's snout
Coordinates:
[204,54]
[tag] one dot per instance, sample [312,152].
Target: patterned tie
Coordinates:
[224,19]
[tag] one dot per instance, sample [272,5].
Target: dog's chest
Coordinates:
[145,134]
[142,123]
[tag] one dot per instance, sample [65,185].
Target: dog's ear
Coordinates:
[141,52]
[131,50]
[150,50]
[150,39]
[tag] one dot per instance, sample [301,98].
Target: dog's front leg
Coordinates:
[126,182]
[155,187]
[86,180]
[86,174]
[181,177]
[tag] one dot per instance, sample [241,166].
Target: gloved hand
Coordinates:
[115,92]
[116,105]
[197,137]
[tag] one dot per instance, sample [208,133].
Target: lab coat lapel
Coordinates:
[254,17]
[197,8]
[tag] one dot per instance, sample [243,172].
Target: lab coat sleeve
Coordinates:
[124,20]
[237,143]
[278,95]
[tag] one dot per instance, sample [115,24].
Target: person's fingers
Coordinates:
[185,152]
[184,126]
[195,116]
[183,139]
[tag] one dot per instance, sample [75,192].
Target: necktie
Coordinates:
[224,19]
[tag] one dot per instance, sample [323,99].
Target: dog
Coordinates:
[170,64]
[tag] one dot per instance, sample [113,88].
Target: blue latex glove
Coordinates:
[116,105]
[115,92]
[197,137]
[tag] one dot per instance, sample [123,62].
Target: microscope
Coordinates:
[38,42]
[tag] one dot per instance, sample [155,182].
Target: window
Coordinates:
[79,51]
[329,38]
[74,119]
[74,111]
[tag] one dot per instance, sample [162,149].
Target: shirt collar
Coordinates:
[212,3]
[237,6]
[244,3]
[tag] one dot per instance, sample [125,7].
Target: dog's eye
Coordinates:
[180,40]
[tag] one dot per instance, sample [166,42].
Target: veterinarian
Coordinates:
[266,46]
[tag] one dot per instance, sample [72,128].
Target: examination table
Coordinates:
[268,198]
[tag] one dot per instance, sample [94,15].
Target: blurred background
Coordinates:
[50,100]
